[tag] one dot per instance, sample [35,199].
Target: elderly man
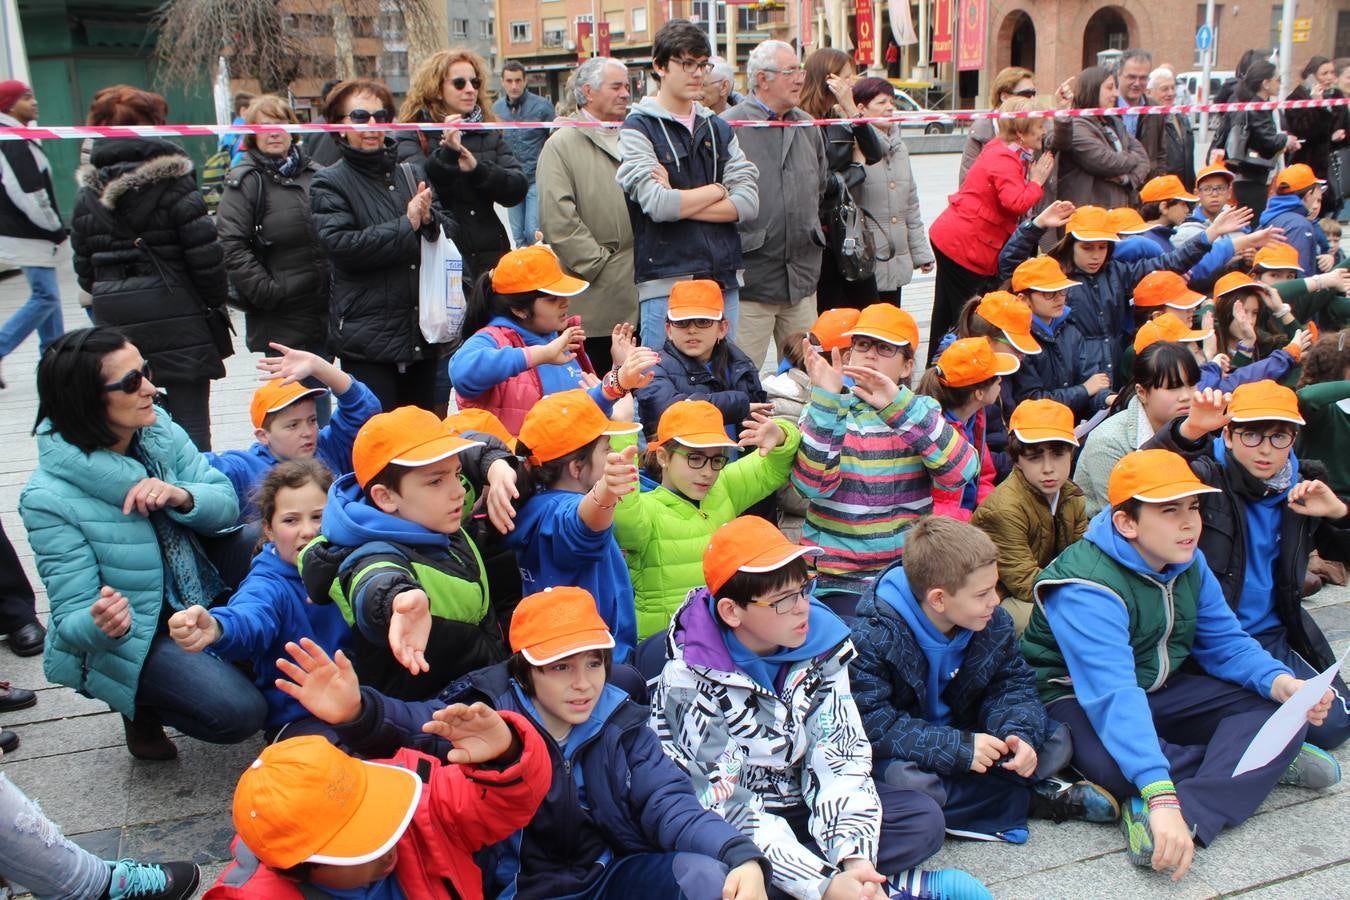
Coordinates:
[1178,138]
[781,245]
[582,211]
[719,86]
[1135,65]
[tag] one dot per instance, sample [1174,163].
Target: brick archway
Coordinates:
[1015,41]
[1109,27]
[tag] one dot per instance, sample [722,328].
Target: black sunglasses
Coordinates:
[458,83]
[362,116]
[131,382]
[1029,93]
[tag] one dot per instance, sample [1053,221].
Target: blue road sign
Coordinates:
[1204,37]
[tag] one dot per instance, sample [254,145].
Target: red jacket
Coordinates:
[463,809]
[511,400]
[983,214]
[949,503]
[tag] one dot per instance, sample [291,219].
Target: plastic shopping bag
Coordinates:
[441,290]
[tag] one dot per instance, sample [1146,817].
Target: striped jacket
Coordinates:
[868,474]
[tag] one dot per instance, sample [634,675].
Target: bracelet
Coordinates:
[1157,787]
[1165,801]
[611,386]
[1281,311]
[596,500]
[1244,347]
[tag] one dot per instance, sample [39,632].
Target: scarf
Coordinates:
[1252,488]
[475,114]
[189,576]
[290,165]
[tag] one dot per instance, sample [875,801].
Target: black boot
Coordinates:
[146,739]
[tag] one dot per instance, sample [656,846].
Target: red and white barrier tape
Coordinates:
[79,132]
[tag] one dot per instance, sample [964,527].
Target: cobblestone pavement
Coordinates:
[73,760]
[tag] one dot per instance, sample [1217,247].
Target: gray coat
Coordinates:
[782,244]
[889,193]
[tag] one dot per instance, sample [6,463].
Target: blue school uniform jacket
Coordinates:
[729,381]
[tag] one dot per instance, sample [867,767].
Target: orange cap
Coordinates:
[1166,327]
[1165,187]
[1010,315]
[1215,168]
[274,396]
[1233,281]
[1123,220]
[697,299]
[693,423]
[886,322]
[1090,223]
[973,360]
[1163,288]
[831,329]
[473,419]
[566,421]
[304,800]
[1295,178]
[534,268]
[409,436]
[557,622]
[1264,401]
[1153,476]
[748,544]
[1041,273]
[1038,421]
[1277,256]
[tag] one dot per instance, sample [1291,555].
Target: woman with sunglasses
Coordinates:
[116,511]
[372,216]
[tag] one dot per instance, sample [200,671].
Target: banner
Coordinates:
[902,23]
[866,49]
[942,31]
[970,44]
[584,49]
[602,39]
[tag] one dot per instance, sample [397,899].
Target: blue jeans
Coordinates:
[201,695]
[661,876]
[652,317]
[524,217]
[42,312]
[35,854]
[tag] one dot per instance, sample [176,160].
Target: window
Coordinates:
[520,32]
[459,28]
[615,22]
[639,19]
[489,29]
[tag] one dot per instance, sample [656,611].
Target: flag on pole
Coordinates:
[902,23]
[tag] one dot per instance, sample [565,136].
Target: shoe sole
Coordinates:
[27,651]
[1136,836]
[1322,784]
[192,888]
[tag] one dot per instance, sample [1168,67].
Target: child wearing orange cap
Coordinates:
[620,819]
[1293,206]
[789,390]
[1319,297]
[285,425]
[315,822]
[664,528]
[1239,304]
[1323,392]
[393,555]
[1118,617]
[1036,512]
[756,669]
[522,345]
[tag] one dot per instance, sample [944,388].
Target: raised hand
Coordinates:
[622,341]
[1056,215]
[419,207]
[1064,94]
[194,629]
[1042,167]
[1209,413]
[1231,219]
[111,613]
[328,688]
[875,388]
[501,490]
[478,732]
[826,374]
[636,371]
[620,476]
[763,432]
[1316,498]
[410,629]
[562,349]
[292,365]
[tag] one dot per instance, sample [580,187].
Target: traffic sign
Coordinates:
[1204,37]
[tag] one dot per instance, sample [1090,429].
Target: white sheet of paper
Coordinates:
[1286,721]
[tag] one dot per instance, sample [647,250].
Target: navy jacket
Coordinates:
[730,381]
[636,800]
[1288,212]
[1057,372]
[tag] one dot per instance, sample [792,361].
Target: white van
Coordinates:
[1191,82]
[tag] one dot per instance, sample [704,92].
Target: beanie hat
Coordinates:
[10,92]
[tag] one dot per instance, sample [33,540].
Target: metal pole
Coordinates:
[595,28]
[923,35]
[1206,68]
[1287,45]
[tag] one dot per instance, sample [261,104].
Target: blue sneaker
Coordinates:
[1059,801]
[1138,833]
[941,884]
[1313,768]
[153,881]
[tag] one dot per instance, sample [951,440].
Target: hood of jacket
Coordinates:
[122,167]
[1052,330]
[649,106]
[943,654]
[1102,532]
[350,521]
[1282,204]
[696,632]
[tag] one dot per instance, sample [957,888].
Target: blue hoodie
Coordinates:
[1256,605]
[824,632]
[1156,242]
[944,654]
[1288,212]
[269,609]
[554,547]
[479,365]
[1091,627]
[247,468]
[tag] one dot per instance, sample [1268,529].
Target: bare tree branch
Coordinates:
[193,34]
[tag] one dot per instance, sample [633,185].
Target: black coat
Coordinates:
[1262,138]
[469,196]
[1314,128]
[283,285]
[147,187]
[360,210]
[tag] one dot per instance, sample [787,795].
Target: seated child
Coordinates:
[271,608]
[564,532]
[1324,401]
[1238,305]
[619,820]
[1312,296]
[948,702]
[393,556]
[314,822]
[754,703]
[698,361]
[664,528]
[1037,512]
[870,455]
[286,427]
[789,389]
[522,345]
[1331,230]
[1295,201]
[967,379]
[1270,513]
[1117,616]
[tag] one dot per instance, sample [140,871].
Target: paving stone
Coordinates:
[83,792]
[200,781]
[63,736]
[1104,876]
[202,839]
[1328,882]
[54,703]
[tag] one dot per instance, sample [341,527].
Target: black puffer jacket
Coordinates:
[1263,138]
[283,289]
[360,209]
[469,196]
[148,188]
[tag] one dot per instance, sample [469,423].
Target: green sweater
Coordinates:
[1327,434]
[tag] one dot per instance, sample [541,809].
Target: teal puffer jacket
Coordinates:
[663,535]
[72,508]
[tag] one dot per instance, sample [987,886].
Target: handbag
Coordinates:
[849,229]
[1236,152]
[440,283]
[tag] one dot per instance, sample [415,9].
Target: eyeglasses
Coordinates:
[866,345]
[458,83]
[695,324]
[1278,439]
[1213,190]
[792,72]
[788,602]
[1029,93]
[691,66]
[362,116]
[718,461]
[131,382]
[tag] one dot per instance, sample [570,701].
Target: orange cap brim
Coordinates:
[1051,288]
[391,798]
[1090,236]
[435,450]
[1043,434]
[773,558]
[700,440]
[1293,267]
[1188,300]
[1006,364]
[545,652]
[1166,493]
[1024,342]
[686,314]
[565,286]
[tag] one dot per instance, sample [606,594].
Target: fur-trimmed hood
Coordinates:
[121,166]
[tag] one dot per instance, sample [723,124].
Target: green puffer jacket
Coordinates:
[663,535]
[72,508]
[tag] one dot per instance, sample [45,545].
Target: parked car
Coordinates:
[904,103]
